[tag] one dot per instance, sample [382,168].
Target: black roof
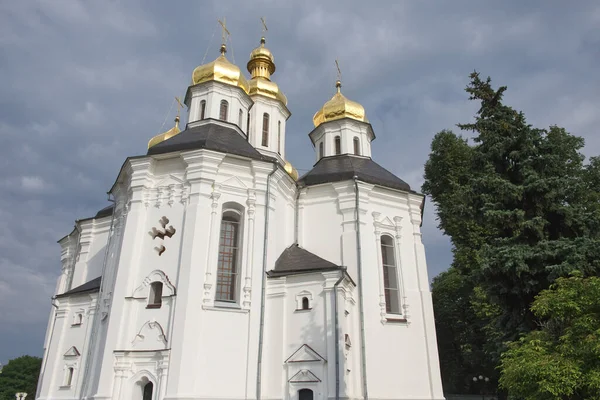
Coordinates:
[296,260]
[105,212]
[346,167]
[90,286]
[211,136]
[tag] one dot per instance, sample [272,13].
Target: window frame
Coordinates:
[202,109]
[155,295]
[265,130]
[240,118]
[279,137]
[229,211]
[321,146]
[356,143]
[224,110]
[386,267]
[337,145]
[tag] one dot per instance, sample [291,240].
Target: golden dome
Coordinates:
[339,107]
[293,172]
[220,70]
[261,66]
[167,135]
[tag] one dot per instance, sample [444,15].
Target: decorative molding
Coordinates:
[153,327]
[305,353]
[304,376]
[72,352]
[162,234]
[142,291]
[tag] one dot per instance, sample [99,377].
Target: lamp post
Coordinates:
[484,380]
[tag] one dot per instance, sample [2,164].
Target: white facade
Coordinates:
[157,324]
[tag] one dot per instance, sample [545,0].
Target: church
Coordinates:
[216,272]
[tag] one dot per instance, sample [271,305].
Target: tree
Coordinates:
[561,360]
[20,375]
[520,207]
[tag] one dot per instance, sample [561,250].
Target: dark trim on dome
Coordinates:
[211,136]
[346,167]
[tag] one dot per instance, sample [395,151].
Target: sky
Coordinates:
[84,84]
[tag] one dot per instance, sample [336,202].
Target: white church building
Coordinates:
[217,273]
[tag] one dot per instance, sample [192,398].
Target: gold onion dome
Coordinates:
[339,107]
[167,135]
[220,70]
[261,66]
[293,172]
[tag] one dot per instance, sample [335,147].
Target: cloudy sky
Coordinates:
[86,84]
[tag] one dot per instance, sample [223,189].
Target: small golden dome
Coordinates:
[167,135]
[220,70]
[293,172]
[261,66]
[339,107]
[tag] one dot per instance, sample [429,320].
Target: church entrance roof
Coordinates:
[90,286]
[296,260]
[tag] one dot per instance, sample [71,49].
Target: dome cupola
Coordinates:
[220,70]
[339,107]
[166,135]
[261,66]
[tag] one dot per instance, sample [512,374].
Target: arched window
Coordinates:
[248,124]
[305,303]
[69,376]
[202,109]
[155,296]
[240,118]
[147,391]
[223,110]
[305,394]
[265,130]
[228,263]
[320,150]
[338,145]
[79,319]
[390,275]
[356,146]
[279,137]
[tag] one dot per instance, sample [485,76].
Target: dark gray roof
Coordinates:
[90,286]
[105,212]
[209,136]
[296,260]
[346,167]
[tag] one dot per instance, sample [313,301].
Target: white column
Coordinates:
[251,202]
[382,304]
[212,239]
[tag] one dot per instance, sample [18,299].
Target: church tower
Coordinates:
[217,273]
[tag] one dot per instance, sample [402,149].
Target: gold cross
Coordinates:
[264,24]
[224,30]
[339,75]
[179,105]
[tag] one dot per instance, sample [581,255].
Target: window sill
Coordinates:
[64,387]
[153,305]
[303,309]
[77,324]
[395,319]
[226,307]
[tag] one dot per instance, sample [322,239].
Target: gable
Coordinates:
[304,376]
[72,352]
[305,354]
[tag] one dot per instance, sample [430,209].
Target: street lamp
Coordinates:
[484,380]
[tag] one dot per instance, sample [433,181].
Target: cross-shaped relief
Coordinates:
[162,233]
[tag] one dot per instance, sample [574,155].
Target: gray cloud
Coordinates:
[86,84]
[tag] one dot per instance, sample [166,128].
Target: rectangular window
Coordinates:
[228,259]
[390,276]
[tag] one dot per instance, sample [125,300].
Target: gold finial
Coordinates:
[224,35]
[264,24]
[179,106]
[338,83]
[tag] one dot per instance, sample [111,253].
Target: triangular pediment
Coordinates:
[72,352]
[305,354]
[387,222]
[304,376]
[234,182]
